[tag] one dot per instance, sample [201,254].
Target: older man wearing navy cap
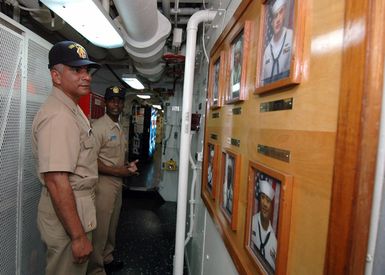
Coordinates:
[63,144]
[263,237]
[111,148]
[277,55]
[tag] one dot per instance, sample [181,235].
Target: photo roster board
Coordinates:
[270,136]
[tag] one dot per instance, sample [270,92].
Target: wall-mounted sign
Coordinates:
[214,136]
[277,105]
[237,111]
[235,142]
[272,152]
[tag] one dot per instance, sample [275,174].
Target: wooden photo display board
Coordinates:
[280,45]
[268,218]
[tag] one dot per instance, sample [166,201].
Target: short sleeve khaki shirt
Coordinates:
[111,144]
[62,141]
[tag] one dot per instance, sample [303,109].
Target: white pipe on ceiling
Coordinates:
[185,11]
[192,29]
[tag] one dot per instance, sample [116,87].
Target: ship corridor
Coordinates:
[146,231]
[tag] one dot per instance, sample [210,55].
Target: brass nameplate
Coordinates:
[215,115]
[277,105]
[237,111]
[272,152]
[214,136]
[235,142]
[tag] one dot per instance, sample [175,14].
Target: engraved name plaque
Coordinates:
[280,154]
[277,105]
[237,111]
[235,142]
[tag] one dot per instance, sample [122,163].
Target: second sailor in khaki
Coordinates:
[111,147]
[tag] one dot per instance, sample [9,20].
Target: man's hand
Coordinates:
[118,171]
[81,249]
[132,167]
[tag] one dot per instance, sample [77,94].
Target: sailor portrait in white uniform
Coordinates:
[277,54]
[263,239]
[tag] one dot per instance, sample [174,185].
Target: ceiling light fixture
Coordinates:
[156,106]
[133,81]
[89,18]
[144,96]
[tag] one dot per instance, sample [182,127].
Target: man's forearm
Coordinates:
[116,171]
[64,203]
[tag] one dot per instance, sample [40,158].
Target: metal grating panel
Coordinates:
[38,87]
[10,84]
[39,79]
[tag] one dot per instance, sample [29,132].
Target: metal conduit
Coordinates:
[192,29]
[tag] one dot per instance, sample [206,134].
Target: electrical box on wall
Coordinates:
[195,122]
[177,37]
[92,105]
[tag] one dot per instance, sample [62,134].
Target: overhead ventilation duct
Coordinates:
[145,31]
[166,8]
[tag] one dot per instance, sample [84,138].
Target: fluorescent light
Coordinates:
[131,80]
[89,18]
[144,96]
[157,106]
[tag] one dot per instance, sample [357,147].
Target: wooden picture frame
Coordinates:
[210,169]
[269,200]
[238,55]
[217,67]
[229,188]
[280,45]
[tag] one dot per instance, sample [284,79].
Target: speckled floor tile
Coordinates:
[146,234]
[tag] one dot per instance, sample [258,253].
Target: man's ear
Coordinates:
[56,77]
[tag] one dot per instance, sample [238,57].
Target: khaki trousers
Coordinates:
[108,203]
[59,252]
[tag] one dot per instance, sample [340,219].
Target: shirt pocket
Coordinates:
[87,213]
[88,143]
[112,149]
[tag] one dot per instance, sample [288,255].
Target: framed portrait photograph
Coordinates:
[230,186]
[237,65]
[210,169]
[268,218]
[215,80]
[280,45]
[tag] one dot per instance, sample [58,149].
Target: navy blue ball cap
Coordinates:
[114,91]
[71,54]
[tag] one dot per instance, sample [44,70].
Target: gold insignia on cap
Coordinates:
[115,90]
[79,50]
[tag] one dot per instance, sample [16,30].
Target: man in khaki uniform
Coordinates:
[63,144]
[111,147]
